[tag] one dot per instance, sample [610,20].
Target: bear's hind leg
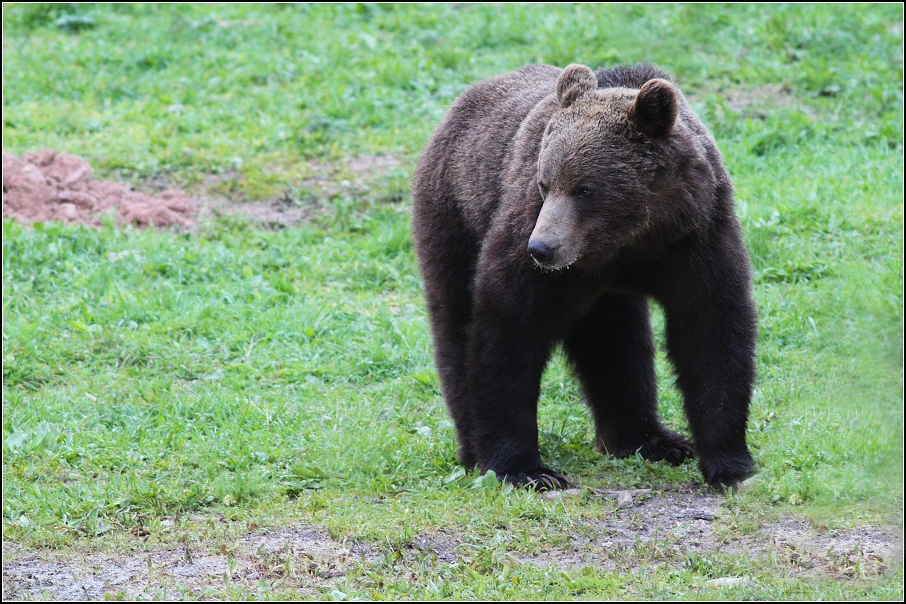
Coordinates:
[612,351]
[447,257]
[450,343]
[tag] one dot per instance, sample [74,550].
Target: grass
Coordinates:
[277,377]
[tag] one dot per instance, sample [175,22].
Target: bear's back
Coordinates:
[461,169]
[629,76]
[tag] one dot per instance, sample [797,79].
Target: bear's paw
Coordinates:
[539,479]
[727,471]
[669,446]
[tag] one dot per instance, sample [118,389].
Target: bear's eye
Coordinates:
[583,192]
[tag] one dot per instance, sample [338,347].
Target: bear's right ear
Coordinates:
[575,81]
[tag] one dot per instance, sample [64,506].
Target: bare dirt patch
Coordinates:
[768,94]
[758,102]
[652,528]
[302,558]
[364,178]
[669,526]
[861,552]
[52,186]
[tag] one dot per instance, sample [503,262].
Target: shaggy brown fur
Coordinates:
[548,207]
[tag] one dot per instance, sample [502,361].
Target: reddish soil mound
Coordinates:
[45,186]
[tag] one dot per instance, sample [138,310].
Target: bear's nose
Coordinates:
[541,252]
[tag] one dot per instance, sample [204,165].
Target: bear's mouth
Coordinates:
[555,268]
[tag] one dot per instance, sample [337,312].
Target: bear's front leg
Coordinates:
[711,333]
[508,350]
[612,350]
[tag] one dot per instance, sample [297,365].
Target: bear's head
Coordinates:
[609,157]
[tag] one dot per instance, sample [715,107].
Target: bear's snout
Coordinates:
[554,236]
[541,251]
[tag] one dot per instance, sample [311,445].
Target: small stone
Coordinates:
[624,498]
[562,493]
[697,515]
[727,581]
[639,492]
[630,492]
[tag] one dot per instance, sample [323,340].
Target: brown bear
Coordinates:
[548,207]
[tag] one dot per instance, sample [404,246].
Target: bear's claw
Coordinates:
[672,447]
[666,445]
[542,479]
[727,472]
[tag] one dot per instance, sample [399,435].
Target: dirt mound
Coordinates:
[46,186]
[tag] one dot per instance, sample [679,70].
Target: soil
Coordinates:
[769,95]
[645,529]
[307,200]
[52,186]
[757,103]
[304,557]
[665,528]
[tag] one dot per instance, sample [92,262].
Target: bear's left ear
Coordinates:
[575,81]
[655,108]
